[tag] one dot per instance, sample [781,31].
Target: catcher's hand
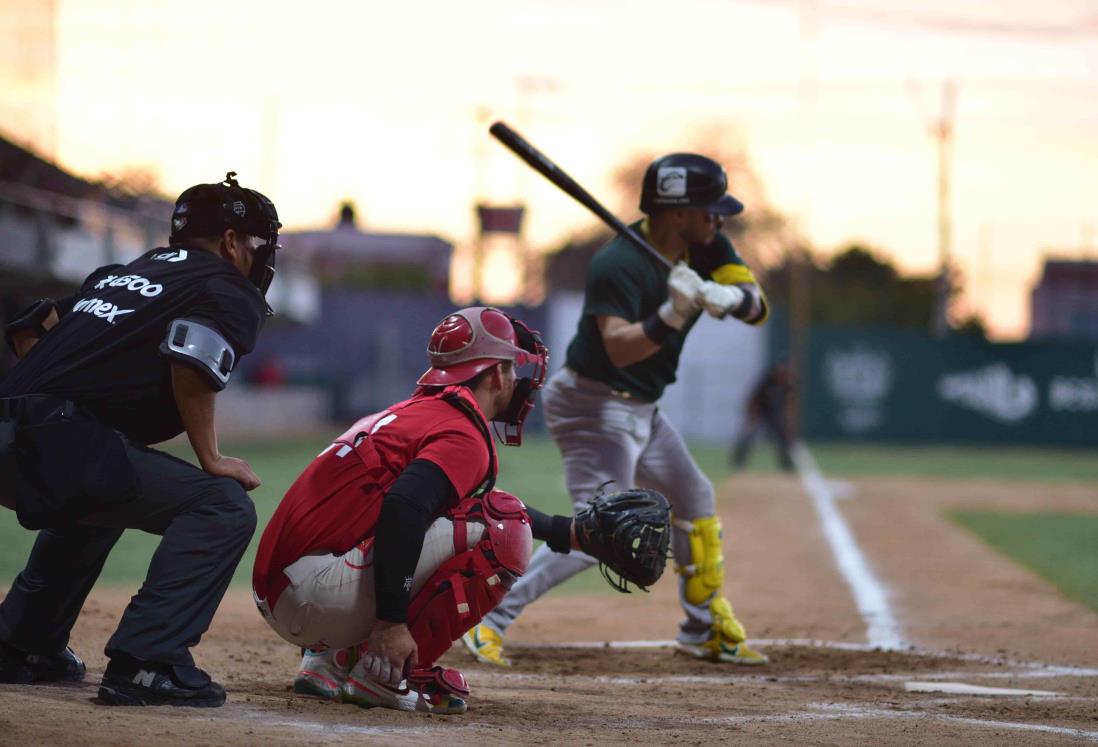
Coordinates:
[628,533]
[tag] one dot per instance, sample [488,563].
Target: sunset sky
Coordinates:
[388,105]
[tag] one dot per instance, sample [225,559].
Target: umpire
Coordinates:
[136,357]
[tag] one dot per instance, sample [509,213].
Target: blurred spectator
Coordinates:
[767,408]
[270,373]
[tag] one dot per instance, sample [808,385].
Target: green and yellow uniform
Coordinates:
[627,282]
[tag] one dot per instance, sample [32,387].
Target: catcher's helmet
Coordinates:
[474,339]
[206,210]
[687,180]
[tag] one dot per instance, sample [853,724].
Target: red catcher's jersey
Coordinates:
[336,501]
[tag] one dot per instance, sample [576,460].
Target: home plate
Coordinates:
[963,688]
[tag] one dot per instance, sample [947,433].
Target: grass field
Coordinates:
[1060,548]
[533,472]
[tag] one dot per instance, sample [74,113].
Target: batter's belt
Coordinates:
[586,383]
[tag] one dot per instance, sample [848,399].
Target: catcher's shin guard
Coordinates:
[471,583]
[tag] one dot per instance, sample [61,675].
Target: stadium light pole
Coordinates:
[943,134]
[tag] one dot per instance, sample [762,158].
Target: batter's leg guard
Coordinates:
[486,645]
[703,580]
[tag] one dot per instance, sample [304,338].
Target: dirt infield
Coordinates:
[1001,626]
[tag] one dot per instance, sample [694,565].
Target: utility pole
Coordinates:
[799,257]
[942,132]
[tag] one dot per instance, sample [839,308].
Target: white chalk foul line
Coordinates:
[1029,668]
[882,629]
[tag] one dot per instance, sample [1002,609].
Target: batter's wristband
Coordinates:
[656,329]
[746,305]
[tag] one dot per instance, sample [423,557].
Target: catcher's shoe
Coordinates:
[322,673]
[132,682]
[425,697]
[720,650]
[18,667]
[486,645]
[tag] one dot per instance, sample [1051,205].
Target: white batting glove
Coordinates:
[720,300]
[684,287]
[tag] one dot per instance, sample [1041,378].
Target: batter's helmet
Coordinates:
[687,180]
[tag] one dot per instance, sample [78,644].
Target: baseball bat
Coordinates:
[541,164]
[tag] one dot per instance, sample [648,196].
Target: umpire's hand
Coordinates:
[237,469]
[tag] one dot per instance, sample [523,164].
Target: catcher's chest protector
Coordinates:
[469,585]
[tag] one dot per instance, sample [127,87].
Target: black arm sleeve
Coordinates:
[412,502]
[555,531]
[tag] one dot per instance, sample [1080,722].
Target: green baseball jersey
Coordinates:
[626,281]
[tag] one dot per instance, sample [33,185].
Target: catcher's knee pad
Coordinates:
[470,584]
[705,573]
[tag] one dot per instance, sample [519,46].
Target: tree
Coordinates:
[858,287]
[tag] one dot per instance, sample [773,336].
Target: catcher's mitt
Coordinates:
[628,532]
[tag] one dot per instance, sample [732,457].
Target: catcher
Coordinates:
[394,542]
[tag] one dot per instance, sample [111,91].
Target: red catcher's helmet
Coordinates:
[469,341]
[473,340]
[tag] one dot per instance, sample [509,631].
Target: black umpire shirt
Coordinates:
[104,353]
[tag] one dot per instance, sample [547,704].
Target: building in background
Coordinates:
[1064,303]
[347,258]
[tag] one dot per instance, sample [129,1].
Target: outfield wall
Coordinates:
[888,385]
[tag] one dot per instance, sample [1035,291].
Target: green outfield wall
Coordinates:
[886,385]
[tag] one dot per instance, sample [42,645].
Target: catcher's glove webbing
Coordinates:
[628,533]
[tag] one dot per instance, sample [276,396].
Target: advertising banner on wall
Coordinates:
[902,386]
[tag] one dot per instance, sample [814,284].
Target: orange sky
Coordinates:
[379,103]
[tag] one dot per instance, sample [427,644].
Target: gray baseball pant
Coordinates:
[606,438]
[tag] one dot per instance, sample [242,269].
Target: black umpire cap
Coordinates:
[206,210]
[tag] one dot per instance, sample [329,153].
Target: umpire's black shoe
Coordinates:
[21,668]
[131,682]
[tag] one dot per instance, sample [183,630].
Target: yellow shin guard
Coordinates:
[705,575]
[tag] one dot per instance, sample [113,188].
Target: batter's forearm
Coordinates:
[626,343]
[194,398]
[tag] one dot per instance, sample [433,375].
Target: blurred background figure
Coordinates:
[766,410]
[270,373]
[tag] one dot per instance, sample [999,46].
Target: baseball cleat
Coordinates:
[17,667]
[322,672]
[366,692]
[486,645]
[719,650]
[131,682]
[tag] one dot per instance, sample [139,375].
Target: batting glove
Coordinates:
[684,287]
[720,300]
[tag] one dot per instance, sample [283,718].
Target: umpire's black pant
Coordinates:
[206,523]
